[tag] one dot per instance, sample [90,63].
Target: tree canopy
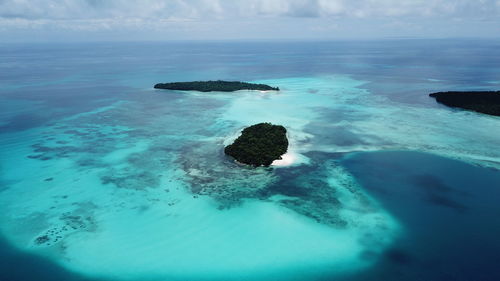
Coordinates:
[487,102]
[219,85]
[259,144]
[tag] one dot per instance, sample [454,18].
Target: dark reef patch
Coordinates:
[131,180]
[80,219]
[437,192]
[398,256]
[445,201]
[220,181]
[432,183]
[302,189]
[42,239]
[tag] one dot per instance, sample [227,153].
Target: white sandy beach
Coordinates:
[287,159]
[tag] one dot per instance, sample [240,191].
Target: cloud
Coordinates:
[246,14]
[200,9]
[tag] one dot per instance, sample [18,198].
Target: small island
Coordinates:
[487,102]
[259,145]
[211,86]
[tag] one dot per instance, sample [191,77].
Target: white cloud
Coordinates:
[199,9]
[198,14]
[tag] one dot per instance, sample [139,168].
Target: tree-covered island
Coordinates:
[487,102]
[211,86]
[259,144]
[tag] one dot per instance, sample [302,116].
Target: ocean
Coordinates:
[103,177]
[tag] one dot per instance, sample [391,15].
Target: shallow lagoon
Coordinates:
[117,181]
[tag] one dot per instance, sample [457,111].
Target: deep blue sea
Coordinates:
[103,177]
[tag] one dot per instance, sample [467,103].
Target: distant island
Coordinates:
[259,144]
[487,102]
[210,86]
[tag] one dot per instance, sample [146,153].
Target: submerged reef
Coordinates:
[210,86]
[314,191]
[487,102]
[259,144]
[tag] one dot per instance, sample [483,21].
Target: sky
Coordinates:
[129,20]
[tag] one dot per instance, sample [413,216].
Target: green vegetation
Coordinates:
[259,145]
[487,102]
[219,86]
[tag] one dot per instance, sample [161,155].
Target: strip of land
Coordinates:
[487,102]
[214,86]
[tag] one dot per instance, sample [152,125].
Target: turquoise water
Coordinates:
[103,177]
